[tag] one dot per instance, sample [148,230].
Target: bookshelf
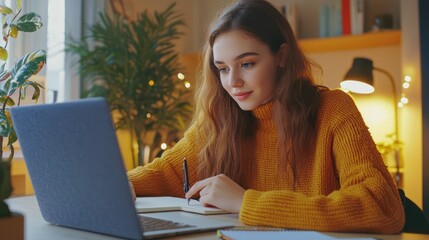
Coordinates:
[324,45]
[351,42]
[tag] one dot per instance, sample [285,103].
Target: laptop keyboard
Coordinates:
[156,224]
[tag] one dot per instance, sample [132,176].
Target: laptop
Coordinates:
[75,165]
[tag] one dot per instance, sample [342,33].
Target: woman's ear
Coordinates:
[282,55]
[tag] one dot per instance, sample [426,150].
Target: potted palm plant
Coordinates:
[134,65]
[16,80]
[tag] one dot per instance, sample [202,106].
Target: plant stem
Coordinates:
[6,38]
[1,137]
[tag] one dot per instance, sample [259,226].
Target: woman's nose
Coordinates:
[235,79]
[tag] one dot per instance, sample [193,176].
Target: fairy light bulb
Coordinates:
[163,146]
[407,78]
[187,84]
[181,76]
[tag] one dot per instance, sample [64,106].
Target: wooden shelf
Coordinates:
[351,42]
[323,45]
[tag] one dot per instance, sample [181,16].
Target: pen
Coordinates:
[185,178]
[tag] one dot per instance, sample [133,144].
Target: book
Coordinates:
[346,18]
[289,10]
[324,20]
[166,204]
[356,16]
[250,233]
[336,24]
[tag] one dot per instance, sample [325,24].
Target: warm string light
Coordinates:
[164,146]
[180,76]
[405,85]
[187,84]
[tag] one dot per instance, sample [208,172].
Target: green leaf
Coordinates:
[23,91]
[5,10]
[4,125]
[12,136]
[3,54]
[25,67]
[2,68]
[4,75]
[29,22]
[36,87]
[13,31]
[9,101]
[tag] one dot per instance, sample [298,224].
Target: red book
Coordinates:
[345,13]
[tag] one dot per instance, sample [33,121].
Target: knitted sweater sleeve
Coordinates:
[164,175]
[367,199]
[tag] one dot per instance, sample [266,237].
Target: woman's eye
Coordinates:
[247,65]
[223,69]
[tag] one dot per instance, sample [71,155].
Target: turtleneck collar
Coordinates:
[264,112]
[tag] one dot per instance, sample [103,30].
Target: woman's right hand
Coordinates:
[133,193]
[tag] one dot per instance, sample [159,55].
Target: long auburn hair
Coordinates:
[225,126]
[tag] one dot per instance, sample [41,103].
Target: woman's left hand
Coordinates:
[219,191]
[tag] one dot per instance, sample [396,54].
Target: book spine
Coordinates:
[324,21]
[357,10]
[291,16]
[335,27]
[289,10]
[345,13]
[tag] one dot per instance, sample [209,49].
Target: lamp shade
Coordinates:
[359,78]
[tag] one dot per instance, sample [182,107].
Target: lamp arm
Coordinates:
[392,81]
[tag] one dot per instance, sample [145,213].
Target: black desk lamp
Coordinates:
[359,79]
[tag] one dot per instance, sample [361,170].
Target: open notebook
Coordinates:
[165,204]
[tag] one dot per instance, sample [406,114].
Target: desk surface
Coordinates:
[37,228]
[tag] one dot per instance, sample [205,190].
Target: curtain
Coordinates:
[77,15]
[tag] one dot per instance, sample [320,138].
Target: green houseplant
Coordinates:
[15,80]
[133,64]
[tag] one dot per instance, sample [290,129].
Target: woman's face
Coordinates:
[247,68]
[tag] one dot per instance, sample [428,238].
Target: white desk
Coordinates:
[37,229]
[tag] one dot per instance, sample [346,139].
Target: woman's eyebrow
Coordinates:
[239,56]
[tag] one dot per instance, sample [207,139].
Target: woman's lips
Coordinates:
[242,95]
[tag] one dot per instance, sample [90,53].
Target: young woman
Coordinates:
[268,143]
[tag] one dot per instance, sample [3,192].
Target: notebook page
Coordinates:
[277,234]
[165,204]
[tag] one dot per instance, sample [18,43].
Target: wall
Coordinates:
[376,108]
[411,124]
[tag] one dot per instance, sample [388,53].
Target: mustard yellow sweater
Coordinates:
[343,187]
